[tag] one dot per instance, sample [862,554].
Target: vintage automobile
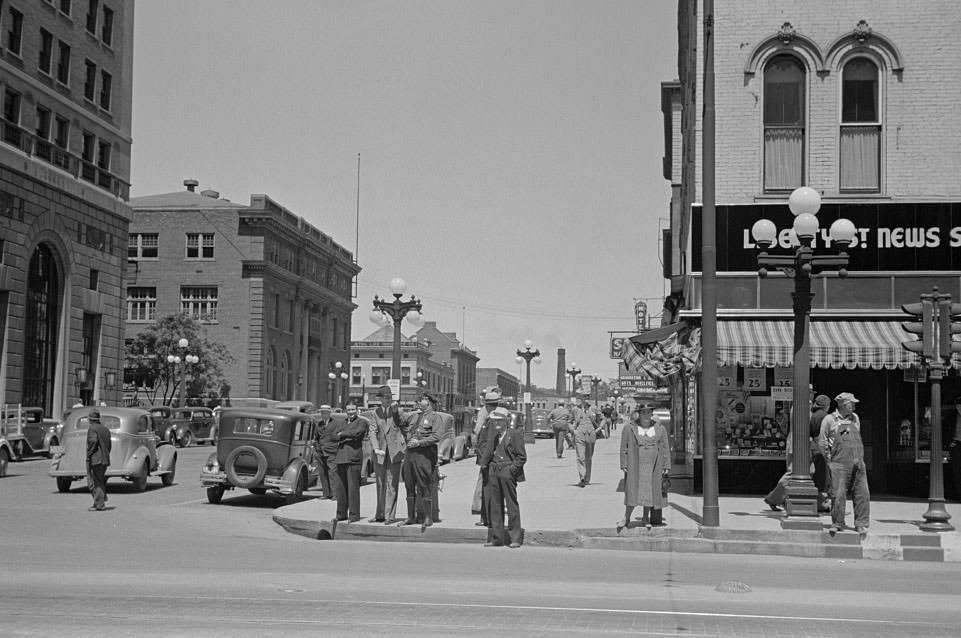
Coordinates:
[454,445]
[189,425]
[296,406]
[162,424]
[261,450]
[134,454]
[27,432]
[541,426]
[6,453]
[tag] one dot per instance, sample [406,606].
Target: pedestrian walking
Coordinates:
[387,442]
[821,476]
[349,434]
[776,497]
[585,435]
[560,421]
[504,457]
[645,461]
[98,460]
[955,449]
[326,448]
[492,398]
[423,434]
[841,445]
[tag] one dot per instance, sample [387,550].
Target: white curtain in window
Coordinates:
[860,153]
[783,158]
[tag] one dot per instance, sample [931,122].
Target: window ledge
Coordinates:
[829,198]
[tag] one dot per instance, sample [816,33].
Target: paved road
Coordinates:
[165,563]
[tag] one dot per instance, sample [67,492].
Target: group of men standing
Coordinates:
[579,426]
[403,443]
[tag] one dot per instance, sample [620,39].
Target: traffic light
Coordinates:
[948,325]
[923,314]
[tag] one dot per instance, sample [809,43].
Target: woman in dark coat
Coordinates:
[645,458]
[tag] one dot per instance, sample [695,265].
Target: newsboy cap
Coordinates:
[846,396]
[822,401]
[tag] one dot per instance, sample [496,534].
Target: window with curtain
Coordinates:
[860,143]
[784,81]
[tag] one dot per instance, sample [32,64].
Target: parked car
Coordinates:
[261,450]
[296,406]
[451,446]
[134,454]
[6,453]
[191,425]
[541,423]
[27,432]
[162,423]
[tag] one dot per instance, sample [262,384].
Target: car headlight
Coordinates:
[212,466]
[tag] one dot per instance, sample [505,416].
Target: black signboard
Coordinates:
[890,236]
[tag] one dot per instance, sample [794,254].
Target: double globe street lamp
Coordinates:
[804,202]
[179,364]
[573,371]
[527,355]
[336,375]
[386,312]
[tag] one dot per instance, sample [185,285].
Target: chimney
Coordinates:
[561,371]
[210,193]
[191,184]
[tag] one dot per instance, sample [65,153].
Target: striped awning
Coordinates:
[834,344]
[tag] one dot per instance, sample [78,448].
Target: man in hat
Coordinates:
[387,442]
[585,435]
[504,457]
[326,448]
[492,396]
[821,478]
[840,443]
[98,459]
[560,420]
[349,434]
[423,432]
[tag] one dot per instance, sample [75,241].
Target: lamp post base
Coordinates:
[801,504]
[936,517]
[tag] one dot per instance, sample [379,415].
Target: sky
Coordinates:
[510,151]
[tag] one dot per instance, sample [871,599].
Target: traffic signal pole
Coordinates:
[933,320]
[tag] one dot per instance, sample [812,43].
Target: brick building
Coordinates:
[445,348]
[370,368]
[65,76]
[509,384]
[855,100]
[270,286]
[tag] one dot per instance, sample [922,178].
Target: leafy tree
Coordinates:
[149,371]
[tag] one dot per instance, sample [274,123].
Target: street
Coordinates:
[166,563]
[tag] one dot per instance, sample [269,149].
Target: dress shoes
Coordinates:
[376,519]
[353,519]
[581,484]
[480,523]
[514,545]
[774,507]
[861,530]
[95,509]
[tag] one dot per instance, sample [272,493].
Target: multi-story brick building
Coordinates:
[370,368]
[65,77]
[509,384]
[446,348]
[854,100]
[270,286]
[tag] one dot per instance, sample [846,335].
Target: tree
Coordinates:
[147,369]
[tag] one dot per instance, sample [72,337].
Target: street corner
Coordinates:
[951,544]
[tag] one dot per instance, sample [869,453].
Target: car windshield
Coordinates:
[112,423]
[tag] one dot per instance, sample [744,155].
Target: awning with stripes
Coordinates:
[834,344]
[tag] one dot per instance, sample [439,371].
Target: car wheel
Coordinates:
[245,480]
[299,487]
[64,483]
[168,479]
[4,462]
[140,480]
[214,494]
[187,439]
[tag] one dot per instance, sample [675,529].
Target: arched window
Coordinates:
[784,82]
[860,144]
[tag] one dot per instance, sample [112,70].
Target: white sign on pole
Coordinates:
[527,397]
[394,385]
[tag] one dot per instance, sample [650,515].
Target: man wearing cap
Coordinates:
[821,477]
[387,442]
[504,457]
[326,448]
[840,443]
[423,433]
[98,459]
[585,434]
[560,420]
[492,396]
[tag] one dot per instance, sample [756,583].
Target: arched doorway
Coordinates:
[41,313]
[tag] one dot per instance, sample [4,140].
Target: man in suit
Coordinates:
[504,457]
[492,397]
[326,448]
[424,429]
[387,442]
[585,434]
[98,459]
[349,434]
[560,420]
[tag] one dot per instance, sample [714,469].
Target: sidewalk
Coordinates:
[554,511]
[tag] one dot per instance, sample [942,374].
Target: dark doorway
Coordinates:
[42,312]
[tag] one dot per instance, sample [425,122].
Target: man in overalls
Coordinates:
[840,443]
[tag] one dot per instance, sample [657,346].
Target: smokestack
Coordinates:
[561,371]
[191,184]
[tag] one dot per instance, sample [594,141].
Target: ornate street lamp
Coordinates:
[336,375]
[804,202]
[386,312]
[180,369]
[595,381]
[527,355]
[573,371]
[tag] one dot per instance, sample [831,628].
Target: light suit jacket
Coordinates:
[385,434]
